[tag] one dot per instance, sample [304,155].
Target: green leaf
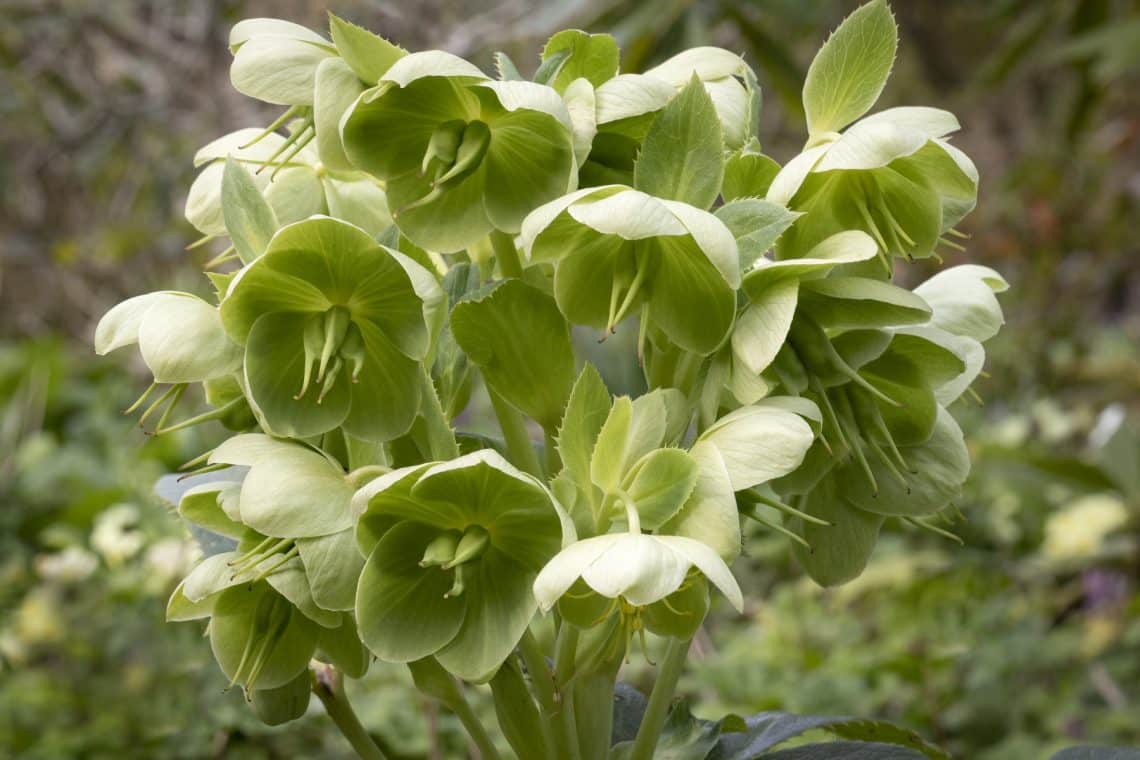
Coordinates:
[846,751]
[590,56]
[682,156]
[506,68]
[851,68]
[521,343]
[748,173]
[756,224]
[586,413]
[369,55]
[659,483]
[250,221]
[937,468]
[630,432]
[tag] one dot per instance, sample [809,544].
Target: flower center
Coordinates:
[331,342]
[453,550]
[454,152]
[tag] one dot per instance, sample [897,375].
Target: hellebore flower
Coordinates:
[892,175]
[654,582]
[616,249]
[334,327]
[453,549]
[295,189]
[460,155]
[181,340]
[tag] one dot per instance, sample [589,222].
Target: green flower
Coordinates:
[334,327]
[453,549]
[296,189]
[179,335]
[616,250]
[460,154]
[892,175]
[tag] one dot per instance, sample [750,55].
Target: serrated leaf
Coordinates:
[250,221]
[851,68]
[369,55]
[506,68]
[682,157]
[521,343]
[586,412]
[591,56]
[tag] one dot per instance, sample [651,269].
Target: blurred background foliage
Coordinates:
[1025,639]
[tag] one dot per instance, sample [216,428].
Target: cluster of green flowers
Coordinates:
[410,223]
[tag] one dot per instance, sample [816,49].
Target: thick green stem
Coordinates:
[507,255]
[474,727]
[668,673]
[543,684]
[432,679]
[565,655]
[515,434]
[328,685]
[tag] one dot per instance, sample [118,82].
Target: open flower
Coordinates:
[334,330]
[617,250]
[460,154]
[453,549]
[643,577]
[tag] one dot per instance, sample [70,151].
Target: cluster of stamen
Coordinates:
[331,342]
[264,559]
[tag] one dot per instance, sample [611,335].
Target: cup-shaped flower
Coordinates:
[276,61]
[179,335]
[892,175]
[460,154]
[334,330]
[301,186]
[453,549]
[616,250]
[636,569]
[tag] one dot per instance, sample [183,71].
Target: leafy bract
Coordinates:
[851,68]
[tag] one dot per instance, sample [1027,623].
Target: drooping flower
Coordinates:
[453,549]
[617,250]
[334,326]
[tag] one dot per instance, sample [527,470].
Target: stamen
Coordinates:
[631,294]
[776,504]
[442,146]
[213,414]
[277,123]
[353,350]
[273,568]
[750,513]
[313,341]
[310,132]
[138,402]
[224,257]
[919,523]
